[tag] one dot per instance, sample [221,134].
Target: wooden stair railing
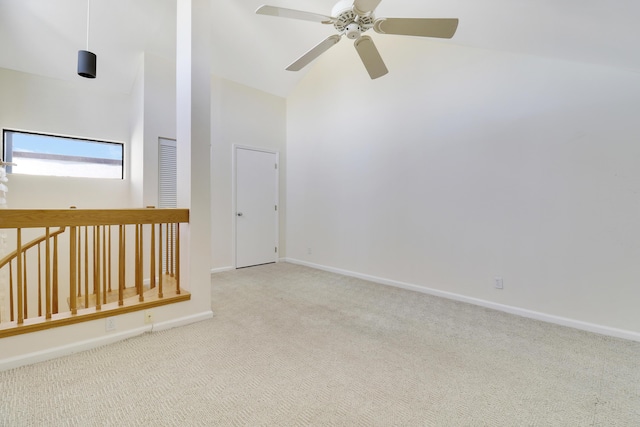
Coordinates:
[13,256]
[97,250]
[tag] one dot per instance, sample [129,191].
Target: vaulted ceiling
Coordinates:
[43,36]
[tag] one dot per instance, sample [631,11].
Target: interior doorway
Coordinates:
[256,206]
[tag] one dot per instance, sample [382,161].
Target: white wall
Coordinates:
[249,117]
[40,104]
[159,118]
[153,116]
[240,115]
[47,105]
[464,164]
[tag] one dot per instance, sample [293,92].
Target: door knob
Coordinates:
[239,213]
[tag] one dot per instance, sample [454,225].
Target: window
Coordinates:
[40,154]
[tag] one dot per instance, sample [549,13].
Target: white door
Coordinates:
[256,207]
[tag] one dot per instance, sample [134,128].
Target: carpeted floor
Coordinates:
[294,346]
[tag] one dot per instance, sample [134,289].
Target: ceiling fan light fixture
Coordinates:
[353,31]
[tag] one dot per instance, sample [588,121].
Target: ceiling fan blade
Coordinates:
[443,28]
[370,57]
[362,7]
[315,52]
[293,14]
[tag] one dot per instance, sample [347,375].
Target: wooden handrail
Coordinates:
[32,218]
[28,246]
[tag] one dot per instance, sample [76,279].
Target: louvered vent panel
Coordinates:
[167,186]
[167,174]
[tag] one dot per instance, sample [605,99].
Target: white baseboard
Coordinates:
[221,269]
[183,321]
[558,320]
[65,350]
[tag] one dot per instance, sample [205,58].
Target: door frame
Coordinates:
[234,209]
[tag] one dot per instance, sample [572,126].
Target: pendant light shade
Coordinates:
[87,60]
[87,64]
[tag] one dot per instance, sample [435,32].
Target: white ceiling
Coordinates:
[43,36]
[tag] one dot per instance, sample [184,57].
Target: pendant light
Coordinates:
[87,60]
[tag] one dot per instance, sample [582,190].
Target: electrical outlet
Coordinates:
[110,324]
[498,283]
[309,251]
[148,316]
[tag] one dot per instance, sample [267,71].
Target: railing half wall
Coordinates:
[64,266]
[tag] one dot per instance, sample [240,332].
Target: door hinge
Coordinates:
[276,249]
[276,165]
[276,206]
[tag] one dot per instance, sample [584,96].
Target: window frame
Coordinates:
[9,157]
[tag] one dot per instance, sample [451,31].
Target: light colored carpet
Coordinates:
[294,346]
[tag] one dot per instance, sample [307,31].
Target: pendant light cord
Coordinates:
[88,18]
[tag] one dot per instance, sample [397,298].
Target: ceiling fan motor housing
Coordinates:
[348,21]
[341,7]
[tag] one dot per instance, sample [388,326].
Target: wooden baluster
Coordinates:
[152,255]
[93,259]
[80,266]
[135,259]
[159,260]
[54,291]
[19,274]
[25,295]
[96,266]
[173,250]
[12,315]
[47,272]
[39,282]
[104,265]
[178,258]
[86,265]
[121,244]
[72,270]
[123,265]
[140,260]
[166,252]
[152,258]
[109,257]
[80,263]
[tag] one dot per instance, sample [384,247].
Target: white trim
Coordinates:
[249,147]
[65,350]
[234,217]
[222,269]
[183,321]
[549,318]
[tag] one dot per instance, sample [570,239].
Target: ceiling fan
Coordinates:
[354,17]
